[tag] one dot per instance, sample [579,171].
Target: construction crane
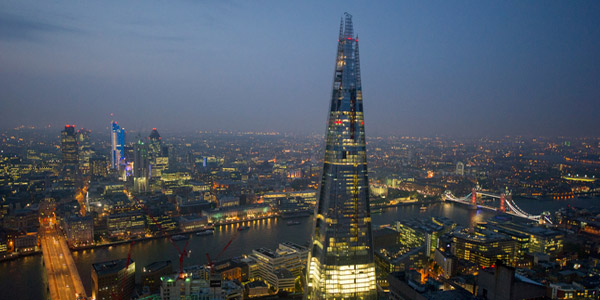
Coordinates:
[211,263]
[181,252]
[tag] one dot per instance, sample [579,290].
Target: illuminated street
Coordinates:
[63,279]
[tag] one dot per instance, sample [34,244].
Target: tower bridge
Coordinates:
[505,204]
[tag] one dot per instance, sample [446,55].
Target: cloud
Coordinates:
[15,27]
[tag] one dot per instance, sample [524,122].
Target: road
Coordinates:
[63,279]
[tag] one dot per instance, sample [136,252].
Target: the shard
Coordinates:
[340,264]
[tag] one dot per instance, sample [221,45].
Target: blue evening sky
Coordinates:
[466,68]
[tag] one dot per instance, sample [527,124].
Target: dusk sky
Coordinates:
[458,68]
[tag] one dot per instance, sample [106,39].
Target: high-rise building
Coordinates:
[141,167]
[155,142]
[85,150]
[460,168]
[98,166]
[70,153]
[117,138]
[340,264]
[158,153]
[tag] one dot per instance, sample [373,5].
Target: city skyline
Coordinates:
[481,179]
[511,68]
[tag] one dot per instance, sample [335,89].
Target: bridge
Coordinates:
[506,204]
[63,279]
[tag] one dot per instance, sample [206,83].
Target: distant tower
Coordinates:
[70,155]
[159,159]
[460,168]
[340,263]
[85,150]
[155,143]
[141,167]
[117,139]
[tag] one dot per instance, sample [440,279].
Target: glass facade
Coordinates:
[340,264]
[117,137]
[70,155]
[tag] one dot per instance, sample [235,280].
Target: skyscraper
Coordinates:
[155,143]
[70,157]
[340,264]
[159,160]
[141,167]
[117,138]
[85,150]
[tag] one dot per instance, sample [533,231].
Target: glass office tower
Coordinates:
[340,264]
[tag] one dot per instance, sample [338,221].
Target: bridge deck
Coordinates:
[63,279]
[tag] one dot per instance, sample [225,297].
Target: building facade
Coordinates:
[141,167]
[117,139]
[80,231]
[113,279]
[340,264]
[70,153]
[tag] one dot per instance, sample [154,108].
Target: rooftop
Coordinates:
[109,267]
[157,265]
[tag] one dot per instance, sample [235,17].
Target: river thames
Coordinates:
[25,278]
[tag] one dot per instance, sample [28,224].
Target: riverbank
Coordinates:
[166,235]
[403,204]
[15,256]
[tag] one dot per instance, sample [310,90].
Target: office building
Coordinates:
[502,283]
[484,248]
[70,154]
[85,150]
[79,231]
[280,268]
[152,273]
[341,262]
[408,285]
[99,167]
[113,279]
[158,154]
[126,224]
[117,138]
[173,287]
[141,167]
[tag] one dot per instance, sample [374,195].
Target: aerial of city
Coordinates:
[130,170]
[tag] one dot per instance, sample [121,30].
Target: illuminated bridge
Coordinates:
[505,204]
[64,282]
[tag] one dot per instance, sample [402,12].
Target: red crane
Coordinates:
[182,253]
[211,263]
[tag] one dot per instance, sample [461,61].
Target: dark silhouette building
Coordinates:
[113,279]
[70,154]
[141,167]
[502,283]
[152,273]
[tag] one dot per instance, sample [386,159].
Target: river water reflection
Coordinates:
[25,278]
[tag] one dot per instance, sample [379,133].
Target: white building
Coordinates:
[175,288]
[279,268]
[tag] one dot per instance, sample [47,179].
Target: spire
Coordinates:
[341,29]
[348,28]
[154,134]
